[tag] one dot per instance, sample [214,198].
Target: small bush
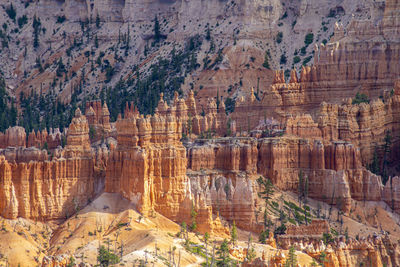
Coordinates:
[61,19]
[296,59]
[360,98]
[283,59]
[22,21]
[303,50]
[11,12]
[279,37]
[229,105]
[309,39]
[307,60]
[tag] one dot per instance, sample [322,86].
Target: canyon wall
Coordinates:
[149,168]
[35,188]
[333,169]
[361,58]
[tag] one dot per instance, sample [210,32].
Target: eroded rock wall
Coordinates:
[35,188]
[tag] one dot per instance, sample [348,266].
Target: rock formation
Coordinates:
[13,137]
[34,188]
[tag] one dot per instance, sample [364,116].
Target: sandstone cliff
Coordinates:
[34,188]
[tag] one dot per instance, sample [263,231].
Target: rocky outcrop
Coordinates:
[229,154]
[26,155]
[13,137]
[365,125]
[333,170]
[376,250]
[43,139]
[98,117]
[232,196]
[149,168]
[212,121]
[33,187]
[391,193]
[78,135]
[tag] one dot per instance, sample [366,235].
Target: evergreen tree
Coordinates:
[193,215]
[234,234]
[157,34]
[208,33]
[322,258]
[36,30]
[223,254]
[106,258]
[291,261]
[266,188]
[266,61]
[96,41]
[386,150]
[300,190]
[374,166]
[97,20]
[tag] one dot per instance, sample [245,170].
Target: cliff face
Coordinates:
[13,137]
[377,250]
[34,188]
[360,58]
[334,170]
[365,125]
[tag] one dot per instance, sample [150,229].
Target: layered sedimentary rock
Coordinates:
[365,125]
[376,250]
[149,168]
[98,117]
[316,227]
[362,58]
[42,139]
[232,196]
[391,193]
[13,137]
[333,170]
[35,188]
[17,155]
[211,119]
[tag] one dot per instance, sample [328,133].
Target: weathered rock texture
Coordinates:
[361,58]
[334,170]
[35,188]
[149,168]
[375,250]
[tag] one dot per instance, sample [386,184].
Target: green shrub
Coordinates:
[296,59]
[106,258]
[283,59]
[22,21]
[11,12]
[309,39]
[360,98]
[279,37]
[307,60]
[61,19]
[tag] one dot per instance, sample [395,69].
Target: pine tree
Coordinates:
[157,34]
[96,41]
[193,215]
[208,34]
[267,188]
[266,62]
[234,234]
[291,261]
[36,29]
[387,150]
[223,254]
[300,190]
[97,20]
